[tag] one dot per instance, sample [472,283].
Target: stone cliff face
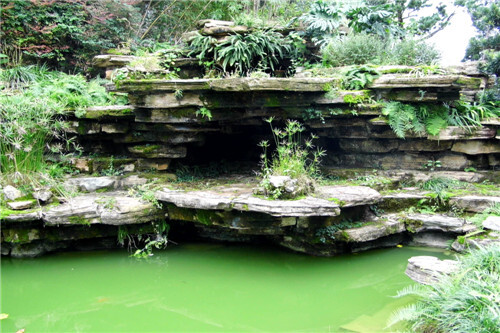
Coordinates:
[201,120]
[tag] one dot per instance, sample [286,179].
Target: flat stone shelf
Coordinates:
[386,81]
[111,208]
[241,198]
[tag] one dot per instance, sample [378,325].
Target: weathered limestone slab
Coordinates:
[424,145]
[92,184]
[241,199]
[109,111]
[158,151]
[170,101]
[474,203]
[373,231]
[23,216]
[425,222]
[492,223]
[223,30]
[208,23]
[148,86]
[436,239]
[110,60]
[42,195]
[21,205]
[484,240]
[430,81]
[400,201]
[348,196]
[151,136]
[476,147]
[113,208]
[11,193]
[83,127]
[303,207]
[429,270]
[371,146]
[271,84]
[457,133]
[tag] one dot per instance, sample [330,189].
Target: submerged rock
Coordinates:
[429,270]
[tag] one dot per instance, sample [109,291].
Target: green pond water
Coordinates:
[202,288]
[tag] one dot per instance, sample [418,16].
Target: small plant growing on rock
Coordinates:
[290,172]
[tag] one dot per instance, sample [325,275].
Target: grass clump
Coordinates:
[467,301]
[34,104]
[290,159]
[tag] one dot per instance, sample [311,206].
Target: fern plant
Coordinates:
[359,77]
[423,119]
[243,52]
[467,301]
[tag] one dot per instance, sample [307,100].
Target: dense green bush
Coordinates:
[412,53]
[357,49]
[354,49]
[467,301]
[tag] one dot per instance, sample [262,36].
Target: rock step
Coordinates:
[326,201]
[374,230]
[475,203]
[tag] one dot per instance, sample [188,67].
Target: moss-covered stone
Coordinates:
[79,220]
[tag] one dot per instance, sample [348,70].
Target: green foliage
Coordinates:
[378,20]
[244,52]
[479,218]
[64,33]
[412,52]
[359,77]
[441,186]
[290,158]
[204,113]
[323,20]
[466,301]
[363,48]
[328,233]
[149,241]
[432,165]
[20,76]
[485,16]
[147,192]
[417,119]
[354,49]
[32,122]
[313,114]
[469,115]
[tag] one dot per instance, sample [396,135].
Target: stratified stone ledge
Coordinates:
[113,208]
[241,199]
[374,231]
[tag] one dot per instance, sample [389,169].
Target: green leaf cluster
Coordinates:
[465,301]
[242,53]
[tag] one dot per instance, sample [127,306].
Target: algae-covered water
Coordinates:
[202,288]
